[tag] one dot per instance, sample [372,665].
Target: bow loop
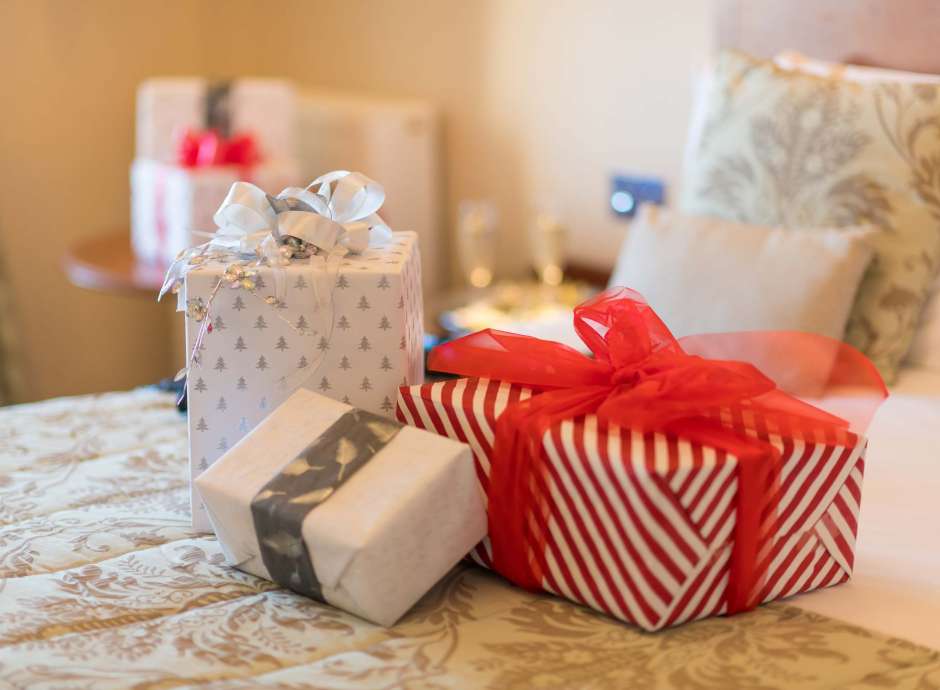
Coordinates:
[350,196]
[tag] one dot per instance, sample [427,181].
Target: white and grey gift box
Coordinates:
[371,542]
[258,353]
[172,206]
[168,106]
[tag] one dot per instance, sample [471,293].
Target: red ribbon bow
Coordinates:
[642,378]
[202,148]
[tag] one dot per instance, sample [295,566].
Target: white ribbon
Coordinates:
[336,213]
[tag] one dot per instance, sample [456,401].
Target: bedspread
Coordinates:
[103,585]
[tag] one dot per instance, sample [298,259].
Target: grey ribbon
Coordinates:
[282,505]
[218,107]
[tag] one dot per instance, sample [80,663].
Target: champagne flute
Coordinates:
[547,240]
[476,238]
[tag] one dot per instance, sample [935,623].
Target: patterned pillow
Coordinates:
[785,148]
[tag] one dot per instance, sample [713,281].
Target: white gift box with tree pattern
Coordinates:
[359,348]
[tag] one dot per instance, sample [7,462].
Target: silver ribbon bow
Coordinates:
[335,214]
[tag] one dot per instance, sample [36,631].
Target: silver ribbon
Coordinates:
[334,215]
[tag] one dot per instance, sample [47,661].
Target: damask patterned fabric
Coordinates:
[104,586]
[790,149]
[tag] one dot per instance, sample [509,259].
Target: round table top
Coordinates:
[107,263]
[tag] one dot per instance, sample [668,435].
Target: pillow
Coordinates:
[789,149]
[925,346]
[704,275]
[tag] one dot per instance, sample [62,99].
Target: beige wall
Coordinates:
[541,100]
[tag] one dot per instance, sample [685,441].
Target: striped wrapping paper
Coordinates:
[640,526]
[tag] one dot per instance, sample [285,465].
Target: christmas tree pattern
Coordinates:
[324,384]
[222,406]
[401,345]
[324,344]
[343,323]
[262,363]
[259,283]
[218,324]
[344,363]
[281,344]
[386,364]
[242,384]
[203,464]
[260,323]
[401,302]
[303,363]
[342,282]
[239,303]
[364,344]
[200,385]
[223,444]
[201,425]
[366,384]
[384,323]
[346,400]
[387,405]
[243,424]
[300,283]
[383,283]
[220,364]
[363,304]
[240,344]
[280,304]
[301,324]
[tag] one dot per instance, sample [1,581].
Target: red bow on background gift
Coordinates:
[199,148]
[643,378]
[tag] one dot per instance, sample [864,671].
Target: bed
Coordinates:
[104,586]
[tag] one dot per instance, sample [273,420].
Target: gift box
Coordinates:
[648,483]
[168,107]
[171,203]
[345,506]
[342,317]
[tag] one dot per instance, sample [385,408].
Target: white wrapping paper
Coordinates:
[384,537]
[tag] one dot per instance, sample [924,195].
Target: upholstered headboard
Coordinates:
[895,34]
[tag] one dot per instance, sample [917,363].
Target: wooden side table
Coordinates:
[107,263]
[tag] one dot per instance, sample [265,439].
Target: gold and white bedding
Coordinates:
[103,585]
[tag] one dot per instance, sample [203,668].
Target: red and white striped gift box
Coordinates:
[640,526]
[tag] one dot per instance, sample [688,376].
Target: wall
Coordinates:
[541,101]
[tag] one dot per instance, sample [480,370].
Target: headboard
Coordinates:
[895,34]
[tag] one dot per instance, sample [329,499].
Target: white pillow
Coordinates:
[705,275]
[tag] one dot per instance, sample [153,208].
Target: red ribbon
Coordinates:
[642,378]
[207,147]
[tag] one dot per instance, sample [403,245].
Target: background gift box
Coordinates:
[171,204]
